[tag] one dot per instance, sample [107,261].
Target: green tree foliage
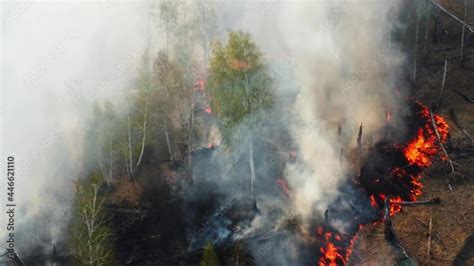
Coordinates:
[239,82]
[89,232]
[240,89]
[209,258]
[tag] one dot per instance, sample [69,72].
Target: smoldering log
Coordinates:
[389,233]
[430,227]
[461,152]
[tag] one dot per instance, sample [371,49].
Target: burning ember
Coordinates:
[200,84]
[208,109]
[283,184]
[388,117]
[391,170]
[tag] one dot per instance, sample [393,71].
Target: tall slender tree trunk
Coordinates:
[168,143]
[130,144]
[145,122]
[126,166]
[147,87]
[111,162]
[463,34]
[252,170]
[101,161]
[190,139]
[417,33]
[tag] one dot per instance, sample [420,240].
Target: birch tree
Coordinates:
[90,231]
[240,88]
[142,92]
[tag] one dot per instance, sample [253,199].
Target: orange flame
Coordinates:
[424,145]
[332,254]
[419,152]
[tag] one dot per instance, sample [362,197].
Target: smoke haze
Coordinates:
[57,59]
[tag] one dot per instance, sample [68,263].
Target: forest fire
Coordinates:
[394,171]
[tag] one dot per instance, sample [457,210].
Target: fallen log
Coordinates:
[389,233]
[450,163]
[468,225]
[464,96]
[461,154]
[421,202]
[428,252]
[453,172]
[460,21]
[391,237]
[435,236]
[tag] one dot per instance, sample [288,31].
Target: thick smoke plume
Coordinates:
[347,71]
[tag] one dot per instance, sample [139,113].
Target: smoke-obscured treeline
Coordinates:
[196,94]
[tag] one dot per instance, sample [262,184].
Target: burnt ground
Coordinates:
[452,221]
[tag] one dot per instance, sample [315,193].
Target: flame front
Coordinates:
[402,182]
[332,254]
